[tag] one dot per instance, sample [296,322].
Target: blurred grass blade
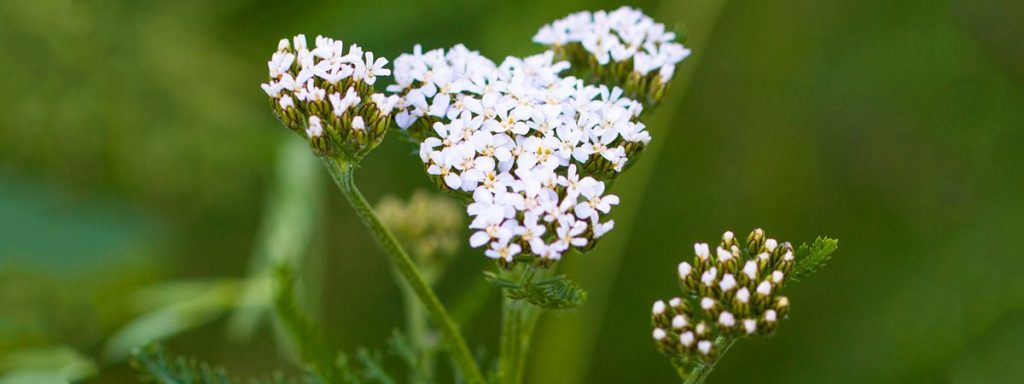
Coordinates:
[59,364]
[214,298]
[285,230]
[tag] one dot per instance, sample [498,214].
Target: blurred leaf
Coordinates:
[180,306]
[373,367]
[60,364]
[286,229]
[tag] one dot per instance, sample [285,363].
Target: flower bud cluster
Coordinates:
[730,291]
[623,47]
[532,148]
[428,223]
[325,94]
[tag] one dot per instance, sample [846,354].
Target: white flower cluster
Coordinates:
[620,35]
[526,142]
[327,89]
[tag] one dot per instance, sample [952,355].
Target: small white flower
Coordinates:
[770,244]
[375,68]
[770,316]
[764,289]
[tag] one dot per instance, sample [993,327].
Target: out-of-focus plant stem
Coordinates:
[518,321]
[418,327]
[597,272]
[343,174]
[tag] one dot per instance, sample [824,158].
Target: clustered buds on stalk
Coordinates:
[326,95]
[427,223]
[729,292]
[622,48]
[531,147]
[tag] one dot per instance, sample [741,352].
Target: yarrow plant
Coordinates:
[531,145]
[731,291]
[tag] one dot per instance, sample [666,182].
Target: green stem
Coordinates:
[419,330]
[343,174]
[700,374]
[518,320]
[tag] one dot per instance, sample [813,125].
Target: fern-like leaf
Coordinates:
[810,258]
[552,293]
[158,366]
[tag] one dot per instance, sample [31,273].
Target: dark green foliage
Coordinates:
[810,258]
[549,293]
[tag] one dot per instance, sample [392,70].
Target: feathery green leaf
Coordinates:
[810,258]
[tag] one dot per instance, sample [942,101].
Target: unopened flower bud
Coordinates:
[710,306]
[749,271]
[755,241]
[777,277]
[728,239]
[728,282]
[750,326]
[677,305]
[665,343]
[686,339]
[706,349]
[679,322]
[765,288]
[782,306]
[726,319]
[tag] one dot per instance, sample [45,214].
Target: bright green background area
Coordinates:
[136,147]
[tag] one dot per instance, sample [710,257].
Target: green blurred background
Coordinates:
[137,149]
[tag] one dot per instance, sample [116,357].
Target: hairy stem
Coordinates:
[418,329]
[343,174]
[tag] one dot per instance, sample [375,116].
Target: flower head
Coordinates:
[623,47]
[531,148]
[325,93]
